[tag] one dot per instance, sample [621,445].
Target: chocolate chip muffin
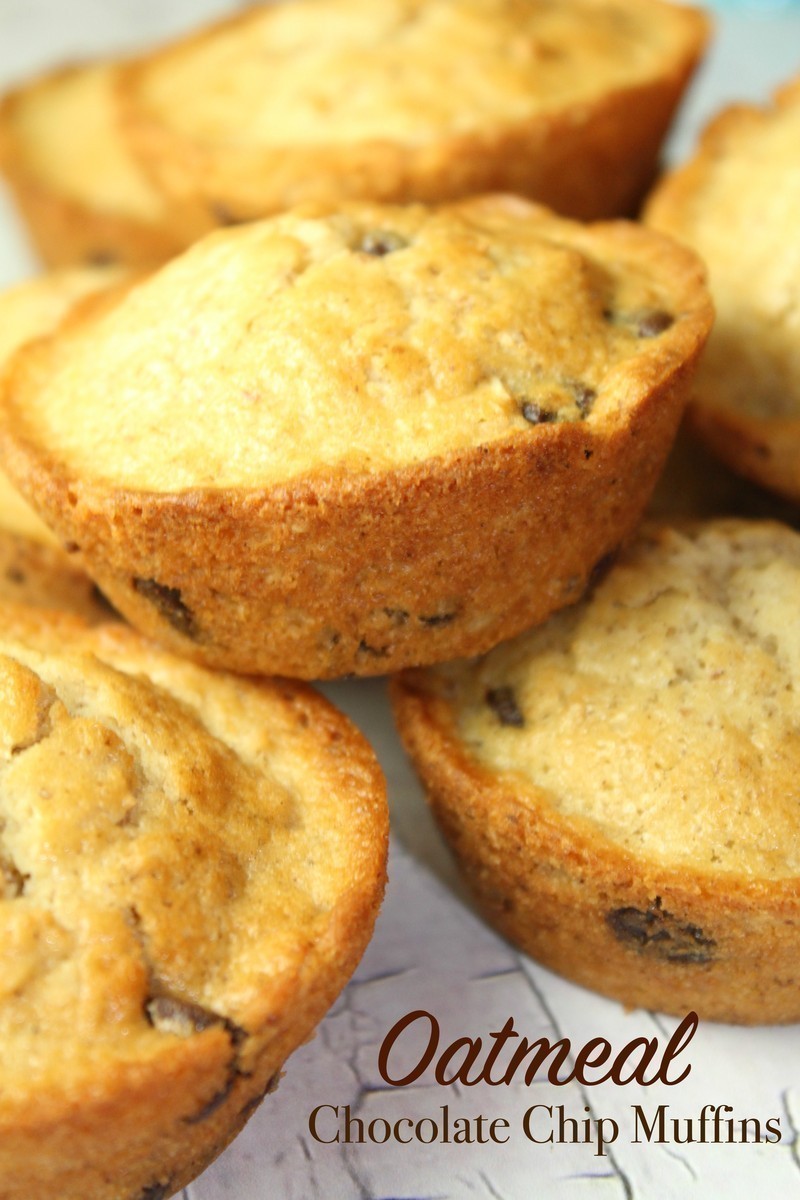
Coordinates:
[34,569]
[84,197]
[362,439]
[330,100]
[736,202]
[620,785]
[190,868]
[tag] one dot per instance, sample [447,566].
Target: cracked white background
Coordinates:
[429,950]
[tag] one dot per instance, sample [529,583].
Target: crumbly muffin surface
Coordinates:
[360,341]
[173,846]
[663,712]
[404,70]
[66,130]
[29,310]
[736,203]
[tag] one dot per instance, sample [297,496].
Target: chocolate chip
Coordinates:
[168,1014]
[223,215]
[15,575]
[71,547]
[102,258]
[169,603]
[376,651]
[154,1191]
[380,242]
[216,1101]
[601,569]
[503,704]
[653,321]
[12,881]
[656,931]
[437,619]
[536,414]
[585,396]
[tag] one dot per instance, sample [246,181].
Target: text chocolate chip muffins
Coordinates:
[361,439]
[620,785]
[190,868]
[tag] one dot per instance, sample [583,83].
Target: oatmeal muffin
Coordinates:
[359,440]
[736,203]
[82,194]
[329,100]
[190,868]
[33,567]
[620,785]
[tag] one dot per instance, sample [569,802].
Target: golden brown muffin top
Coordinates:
[736,203]
[663,711]
[62,131]
[333,72]
[174,844]
[359,341]
[29,310]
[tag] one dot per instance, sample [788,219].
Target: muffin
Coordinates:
[356,440]
[619,786]
[190,868]
[82,194]
[33,567]
[736,203]
[332,100]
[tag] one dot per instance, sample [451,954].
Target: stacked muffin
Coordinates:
[386,428]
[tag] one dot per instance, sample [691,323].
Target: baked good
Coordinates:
[431,100]
[82,194]
[736,203]
[366,438]
[696,484]
[33,567]
[619,786]
[190,868]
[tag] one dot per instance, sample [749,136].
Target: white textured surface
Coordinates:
[429,951]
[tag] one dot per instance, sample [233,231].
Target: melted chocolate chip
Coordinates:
[380,242]
[102,258]
[652,322]
[503,704]
[169,603]
[154,1191]
[168,1014]
[223,215]
[437,619]
[585,396]
[537,415]
[216,1101]
[376,651]
[12,881]
[656,931]
[601,569]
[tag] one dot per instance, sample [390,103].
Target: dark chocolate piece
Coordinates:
[169,603]
[503,704]
[537,415]
[380,242]
[655,931]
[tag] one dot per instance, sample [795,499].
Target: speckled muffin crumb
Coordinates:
[331,100]
[736,202]
[620,783]
[366,438]
[190,868]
